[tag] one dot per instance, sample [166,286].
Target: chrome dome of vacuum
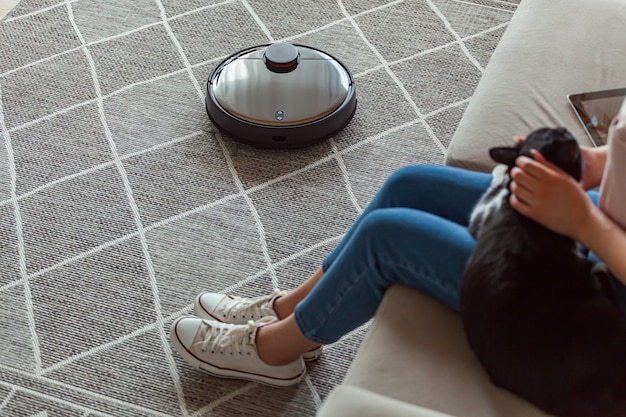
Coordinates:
[280,96]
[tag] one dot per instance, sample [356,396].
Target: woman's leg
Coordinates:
[447,192]
[425,245]
[285,305]
[392,245]
[444,191]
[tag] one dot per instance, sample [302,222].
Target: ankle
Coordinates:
[282,307]
[269,352]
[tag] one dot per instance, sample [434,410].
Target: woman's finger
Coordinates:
[519,205]
[539,168]
[525,195]
[522,179]
[537,156]
[529,166]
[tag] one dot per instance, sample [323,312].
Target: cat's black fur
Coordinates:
[539,317]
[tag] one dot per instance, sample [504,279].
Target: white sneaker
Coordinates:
[233,309]
[229,351]
[238,310]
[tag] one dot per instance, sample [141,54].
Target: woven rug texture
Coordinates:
[120,202]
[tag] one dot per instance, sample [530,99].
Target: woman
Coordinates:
[414,231]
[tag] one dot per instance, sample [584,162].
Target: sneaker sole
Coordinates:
[229,373]
[311,355]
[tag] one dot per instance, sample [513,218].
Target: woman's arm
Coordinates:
[546,194]
[594,160]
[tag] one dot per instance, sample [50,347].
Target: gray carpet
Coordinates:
[119,201]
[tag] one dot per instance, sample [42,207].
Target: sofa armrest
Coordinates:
[351,401]
[549,50]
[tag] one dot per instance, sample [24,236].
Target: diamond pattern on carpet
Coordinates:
[120,201]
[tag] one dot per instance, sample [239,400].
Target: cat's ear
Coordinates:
[504,155]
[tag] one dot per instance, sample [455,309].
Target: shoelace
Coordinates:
[233,338]
[253,310]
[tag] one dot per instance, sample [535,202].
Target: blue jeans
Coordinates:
[414,231]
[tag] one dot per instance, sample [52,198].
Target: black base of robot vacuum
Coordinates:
[283,137]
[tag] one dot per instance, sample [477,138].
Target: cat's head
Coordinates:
[556,145]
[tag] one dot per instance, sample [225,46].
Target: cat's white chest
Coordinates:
[491,201]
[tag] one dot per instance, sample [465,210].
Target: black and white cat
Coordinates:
[538,315]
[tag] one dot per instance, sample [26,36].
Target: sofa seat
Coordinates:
[349,400]
[415,352]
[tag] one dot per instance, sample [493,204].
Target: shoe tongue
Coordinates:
[228,300]
[253,326]
[201,334]
[238,333]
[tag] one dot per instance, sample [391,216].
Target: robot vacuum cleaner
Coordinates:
[280,95]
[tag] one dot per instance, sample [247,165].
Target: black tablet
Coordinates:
[596,110]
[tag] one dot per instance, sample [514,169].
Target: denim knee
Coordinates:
[371,224]
[410,174]
[403,176]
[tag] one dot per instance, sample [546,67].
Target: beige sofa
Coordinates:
[415,360]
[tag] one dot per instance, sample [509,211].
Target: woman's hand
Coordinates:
[546,194]
[594,160]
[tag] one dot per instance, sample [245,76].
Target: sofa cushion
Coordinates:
[350,401]
[549,50]
[415,351]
